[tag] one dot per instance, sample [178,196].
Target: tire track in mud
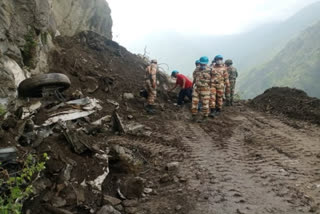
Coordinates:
[289,159]
[239,175]
[152,146]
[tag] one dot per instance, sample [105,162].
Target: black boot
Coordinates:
[218,112]
[149,109]
[194,118]
[212,113]
[203,120]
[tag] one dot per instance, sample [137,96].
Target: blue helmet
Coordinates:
[204,60]
[174,73]
[218,57]
[197,62]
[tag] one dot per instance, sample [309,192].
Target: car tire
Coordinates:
[32,87]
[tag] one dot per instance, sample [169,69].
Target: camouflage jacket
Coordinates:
[202,78]
[151,74]
[233,73]
[194,74]
[219,75]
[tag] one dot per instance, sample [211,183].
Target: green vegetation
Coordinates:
[296,66]
[44,38]
[2,110]
[29,49]
[17,187]
[237,96]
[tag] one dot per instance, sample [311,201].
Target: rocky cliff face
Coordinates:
[27,28]
[73,16]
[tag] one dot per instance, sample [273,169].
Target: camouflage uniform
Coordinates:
[195,74]
[233,75]
[219,84]
[201,91]
[150,79]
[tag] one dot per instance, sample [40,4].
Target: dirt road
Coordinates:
[249,162]
[242,162]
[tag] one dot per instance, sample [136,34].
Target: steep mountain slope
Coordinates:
[247,49]
[297,65]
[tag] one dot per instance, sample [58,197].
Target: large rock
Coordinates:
[73,16]
[107,209]
[111,200]
[64,17]
[124,160]
[11,75]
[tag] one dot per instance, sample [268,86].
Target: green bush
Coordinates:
[29,49]
[237,96]
[44,38]
[2,110]
[16,189]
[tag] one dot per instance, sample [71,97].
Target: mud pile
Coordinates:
[97,66]
[293,103]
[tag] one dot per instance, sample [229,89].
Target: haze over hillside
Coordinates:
[249,50]
[297,65]
[179,51]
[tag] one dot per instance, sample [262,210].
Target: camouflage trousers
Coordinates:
[152,93]
[232,89]
[216,95]
[201,94]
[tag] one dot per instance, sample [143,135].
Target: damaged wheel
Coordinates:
[33,87]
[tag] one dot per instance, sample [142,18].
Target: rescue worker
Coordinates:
[219,85]
[201,89]
[197,63]
[185,84]
[151,84]
[197,67]
[233,75]
[196,70]
[212,63]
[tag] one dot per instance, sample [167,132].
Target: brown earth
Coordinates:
[293,103]
[243,161]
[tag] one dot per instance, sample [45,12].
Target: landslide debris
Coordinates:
[290,102]
[92,167]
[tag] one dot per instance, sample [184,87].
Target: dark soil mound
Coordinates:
[97,66]
[290,102]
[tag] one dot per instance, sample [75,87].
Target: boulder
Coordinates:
[173,166]
[133,187]
[128,96]
[107,209]
[111,200]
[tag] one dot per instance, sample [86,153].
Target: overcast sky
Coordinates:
[137,18]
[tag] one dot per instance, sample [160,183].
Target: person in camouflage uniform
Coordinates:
[201,89]
[151,84]
[219,85]
[233,75]
[197,69]
[197,63]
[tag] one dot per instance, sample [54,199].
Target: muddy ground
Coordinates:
[244,161]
